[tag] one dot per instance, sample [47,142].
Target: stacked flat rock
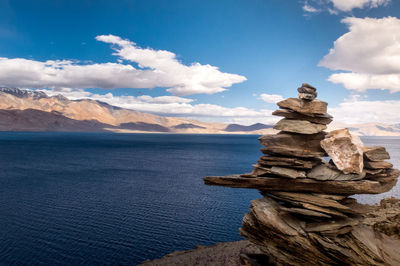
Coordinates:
[307,92]
[306,216]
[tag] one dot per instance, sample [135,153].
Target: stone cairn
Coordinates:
[306,216]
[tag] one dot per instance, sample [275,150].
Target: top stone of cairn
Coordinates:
[307,92]
[306,103]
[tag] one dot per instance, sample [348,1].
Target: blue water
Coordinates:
[84,198]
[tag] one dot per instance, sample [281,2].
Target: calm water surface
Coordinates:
[82,198]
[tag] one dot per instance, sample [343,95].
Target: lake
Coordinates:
[98,198]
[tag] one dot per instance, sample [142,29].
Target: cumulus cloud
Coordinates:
[156,68]
[348,5]
[336,6]
[270,98]
[358,111]
[183,79]
[370,52]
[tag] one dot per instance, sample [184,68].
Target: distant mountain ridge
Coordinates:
[28,110]
[239,128]
[24,93]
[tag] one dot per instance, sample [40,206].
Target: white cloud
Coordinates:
[172,106]
[157,68]
[349,5]
[362,82]
[310,9]
[336,6]
[164,99]
[357,112]
[182,79]
[353,110]
[370,51]
[270,98]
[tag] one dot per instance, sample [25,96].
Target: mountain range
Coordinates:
[28,110]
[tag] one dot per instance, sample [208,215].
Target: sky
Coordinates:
[217,61]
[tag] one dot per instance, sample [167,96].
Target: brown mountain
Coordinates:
[26,110]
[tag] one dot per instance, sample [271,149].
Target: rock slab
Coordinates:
[293,144]
[376,153]
[323,172]
[304,107]
[299,126]
[324,119]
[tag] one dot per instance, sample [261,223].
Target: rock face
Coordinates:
[287,241]
[306,216]
[345,151]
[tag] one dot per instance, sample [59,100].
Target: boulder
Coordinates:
[324,172]
[376,153]
[345,151]
[299,126]
[304,107]
[324,119]
[293,144]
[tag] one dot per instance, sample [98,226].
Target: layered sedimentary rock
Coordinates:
[306,216]
[323,119]
[289,144]
[304,107]
[299,126]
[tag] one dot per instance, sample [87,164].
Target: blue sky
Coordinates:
[263,51]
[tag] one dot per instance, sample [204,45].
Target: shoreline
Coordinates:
[222,254]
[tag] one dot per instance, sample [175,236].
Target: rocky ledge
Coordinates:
[306,177]
[222,254]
